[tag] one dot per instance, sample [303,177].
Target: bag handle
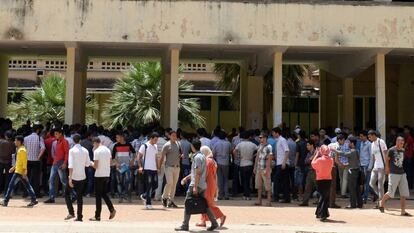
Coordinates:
[145,155]
[382,156]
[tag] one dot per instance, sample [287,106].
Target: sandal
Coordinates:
[257,204]
[223,220]
[381,209]
[200,224]
[406,214]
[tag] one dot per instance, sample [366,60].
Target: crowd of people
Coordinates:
[280,165]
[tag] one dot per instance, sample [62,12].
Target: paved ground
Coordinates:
[242,217]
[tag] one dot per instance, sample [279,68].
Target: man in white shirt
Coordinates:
[281,174]
[149,167]
[77,162]
[245,152]
[102,163]
[378,150]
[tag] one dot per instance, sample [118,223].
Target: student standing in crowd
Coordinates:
[35,146]
[123,154]
[246,150]
[102,163]
[281,176]
[262,170]
[323,164]
[300,168]
[397,178]
[7,148]
[78,161]
[171,154]
[294,174]
[20,174]
[311,175]
[59,165]
[353,174]
[365,157]
[379,151]
[87,144]
[221,151]
[198,185]
[160,144]
[185,146]
[149,167]
[408,155]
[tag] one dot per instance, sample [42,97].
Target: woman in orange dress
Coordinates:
[211,190]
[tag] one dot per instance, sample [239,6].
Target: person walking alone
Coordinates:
[20,173]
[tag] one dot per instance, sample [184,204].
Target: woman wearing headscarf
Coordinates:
[323,163]
[211,191]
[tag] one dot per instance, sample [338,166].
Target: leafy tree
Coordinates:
[46,104]
[136,99]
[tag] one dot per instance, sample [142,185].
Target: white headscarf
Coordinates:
[206,151]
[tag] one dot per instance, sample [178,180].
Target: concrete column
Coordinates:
[380,105]
[348,102]
[215,113]
[322,99]
[277,89]
[75,104]
[244,94]
[169,88]
[254,102]
[4,84]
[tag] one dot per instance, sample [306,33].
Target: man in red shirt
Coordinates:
[60,162]
[408,155]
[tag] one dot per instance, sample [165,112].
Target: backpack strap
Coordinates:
[145,155]
[382,156]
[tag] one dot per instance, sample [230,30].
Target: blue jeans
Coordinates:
[150,183]
[14,180]
[367,188]
[63,179]
[124,183]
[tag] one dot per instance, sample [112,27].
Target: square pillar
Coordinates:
[348,103]
[277,89]
[244,92]
[169,88]
[4,84]
[75,97]
[254,102]
[322,99]
[380,104]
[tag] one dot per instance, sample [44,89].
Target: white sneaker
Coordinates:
[149,207]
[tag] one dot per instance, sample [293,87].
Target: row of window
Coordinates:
[94,65]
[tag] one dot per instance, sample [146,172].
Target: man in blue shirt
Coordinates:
[221,151]
[366,162]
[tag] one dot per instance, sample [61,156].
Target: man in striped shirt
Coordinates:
[123,155]
[35,150]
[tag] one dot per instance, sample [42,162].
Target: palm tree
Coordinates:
[292,83]
[136,99]
[46,104]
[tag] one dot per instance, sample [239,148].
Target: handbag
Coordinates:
[195,205]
